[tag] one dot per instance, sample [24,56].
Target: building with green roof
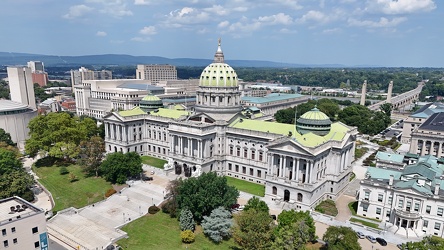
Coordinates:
[298,166]
[409,199]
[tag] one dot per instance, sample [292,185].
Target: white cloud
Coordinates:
[115,8]
[381,23]
[314,15]
[141,39]
[142,2]
[293,4]
[217,9]
[223,24]
[400,6]
[77,11]
[148,30]
[279,18]
[101,33]
[186,16]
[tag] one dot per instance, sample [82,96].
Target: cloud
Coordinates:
[381,23]
[141,39]
[279,18]
[391,7]
[114,8]
[293,4]
[101,33]
[315,16]
[217,9]
[77,11]
[143,2]
[148,30]
[186,16]
[223,24]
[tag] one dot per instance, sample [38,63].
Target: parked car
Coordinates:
[381,241]
[371,238]
[360,235]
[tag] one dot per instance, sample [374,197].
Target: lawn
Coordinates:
[153,161]
[359,152]
[159,231]
[353,206]
[84,191]
[365,223]
[245,186]
[327,207]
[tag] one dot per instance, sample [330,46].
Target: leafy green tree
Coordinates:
[64,150]
[6,137]
[253,230]
[91,155]
[387,108]
[218,225]
[117,167]
[427,243]
[340,238]
[290,217]
[257,204]
[186,221]
[292,236]
[16,182]
[205,193]
[9,162]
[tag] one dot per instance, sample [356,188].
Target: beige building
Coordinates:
[82,74]
[21,86]
[416,119]
[14,119]
[428,138]
[156,72]
[22,225]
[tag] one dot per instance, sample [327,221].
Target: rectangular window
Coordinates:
[390,200]
[380,197]
[425,223]
[440,211]
[387,213]
[428,208]
[229,166]
[401,203]
[378,211]
[35,230]
[5,243]
[251,171]
[245,153]
[14,241]
[244,170]
[231,150]
[237,168]
[365,208]
[36,244]
[238,151]
[366,196]
[13,229]
[253,155]
[259,173]
[3,232]
[416,207]
[408,206]
[261,155]
[437,225]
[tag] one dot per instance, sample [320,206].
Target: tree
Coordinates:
[117,167]
[205,193]
[8,162]
[16,182]
[91,155]
[292,236]
[340,238]
[290,217]
[186,221]
[427,243]
[171,205]
[217,226]
[6,137]
[257,204]
[253,230]
[386,108]
[187,236]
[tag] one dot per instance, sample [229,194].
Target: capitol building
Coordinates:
[300,164]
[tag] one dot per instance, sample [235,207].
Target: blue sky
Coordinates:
[350,32]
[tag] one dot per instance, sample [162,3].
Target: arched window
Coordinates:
[299,197]
[275,190]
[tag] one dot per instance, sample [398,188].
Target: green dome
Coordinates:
[218,75]
[151,98]
[314,121]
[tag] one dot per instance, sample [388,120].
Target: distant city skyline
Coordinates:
[389,33]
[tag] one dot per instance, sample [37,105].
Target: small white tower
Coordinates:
[363,93]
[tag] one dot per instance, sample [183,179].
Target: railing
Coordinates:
[406,214]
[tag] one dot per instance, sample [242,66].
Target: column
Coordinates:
[439,150]
[281,161]
[107,130]
[179,140]
[269,167]
[190,150]
[199,149]
[285,167]
[423,147]
[293,171]
[297,170]
[307,166]
[112,131]
[343,161]
[124,134]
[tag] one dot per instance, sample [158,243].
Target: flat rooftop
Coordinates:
[15,208]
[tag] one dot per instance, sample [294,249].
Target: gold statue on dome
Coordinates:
[219,40]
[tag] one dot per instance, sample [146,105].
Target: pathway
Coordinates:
[344,212]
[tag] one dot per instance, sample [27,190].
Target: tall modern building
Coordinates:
[156,72]
[21,86]
[23,225]
[83,74]
[299,166]
[36,66]
[38,73]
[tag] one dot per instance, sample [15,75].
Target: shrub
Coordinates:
[187,236]
[170,208]
[186,220]
[72,177]
[153,210]
[110,192]
[63,170]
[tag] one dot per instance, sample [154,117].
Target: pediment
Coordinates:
[289,145]
[113,117]
[201,117]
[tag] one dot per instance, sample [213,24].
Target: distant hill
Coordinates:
[10,58]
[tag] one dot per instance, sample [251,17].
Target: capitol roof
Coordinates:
[161,112]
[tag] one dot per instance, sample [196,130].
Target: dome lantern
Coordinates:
[314,121]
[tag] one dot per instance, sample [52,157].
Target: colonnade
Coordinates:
[184,145]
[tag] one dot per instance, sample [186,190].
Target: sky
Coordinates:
[389,33]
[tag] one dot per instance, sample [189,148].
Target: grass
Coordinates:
[159,231]
[353,206]
[79,193]
[365,223]
[327,207]
[359,152]
[153,161]
[352,176]
[245,186]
